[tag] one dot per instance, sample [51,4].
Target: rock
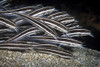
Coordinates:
[82,57]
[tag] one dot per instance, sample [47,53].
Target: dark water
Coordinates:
[72,6]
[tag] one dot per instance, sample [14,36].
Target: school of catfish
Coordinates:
[43,29]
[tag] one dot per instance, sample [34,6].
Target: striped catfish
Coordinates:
[50,14]
[8,23]
[54,52]
[53,24]
[62,17]
[38,12]
[15,46]
[9,16]
[6,30]
[60,41]
[57,15]
[78,33]
[41,25]
[25,33]
[3,38]
[42,11]
[3,2]
[2,5]
[19,21]
[23,10]
[65,20]
[21,28]
[43,48]
[73,25]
